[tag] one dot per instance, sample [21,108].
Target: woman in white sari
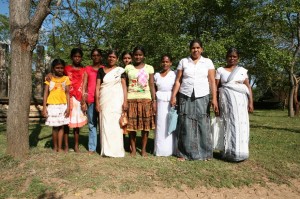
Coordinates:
[111,100]
[235,100]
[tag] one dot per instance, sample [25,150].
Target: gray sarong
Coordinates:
[193,128]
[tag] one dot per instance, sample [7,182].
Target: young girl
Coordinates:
[78,106]
[141,99]
[56,103]
[89,96]
[126,58]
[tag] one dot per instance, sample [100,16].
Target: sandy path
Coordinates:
[270,191]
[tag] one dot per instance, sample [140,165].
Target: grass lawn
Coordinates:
[274,157]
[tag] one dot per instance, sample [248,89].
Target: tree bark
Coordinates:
[291,111]
[24,35]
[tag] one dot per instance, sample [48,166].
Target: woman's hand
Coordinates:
[67,112]
[250,108]
[98,109]
[83,107]
[125,106]
[173,101]
[215,106]
[48,77]
[45,112]
[154,107]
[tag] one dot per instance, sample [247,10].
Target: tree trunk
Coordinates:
[291,112]
[296,102]
[19,100]
[24,35]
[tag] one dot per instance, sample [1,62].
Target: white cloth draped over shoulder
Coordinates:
[111,101]
[233,103]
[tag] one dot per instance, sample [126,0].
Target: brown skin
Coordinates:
[57,132]
[127,59]
[139,63]
[232,62]
[166,64]
[196,51]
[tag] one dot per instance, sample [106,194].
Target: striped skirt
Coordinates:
[193,128]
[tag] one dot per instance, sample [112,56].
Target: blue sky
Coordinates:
[4,10]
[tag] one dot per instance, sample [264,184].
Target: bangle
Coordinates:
[153,100]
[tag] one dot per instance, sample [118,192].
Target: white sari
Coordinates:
[233,104]
[111,101]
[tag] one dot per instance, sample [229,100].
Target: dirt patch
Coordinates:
[270,191]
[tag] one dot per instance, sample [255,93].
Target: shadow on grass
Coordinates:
[51,195]
[34,135]
[275,128]
[3,128]
[83,140]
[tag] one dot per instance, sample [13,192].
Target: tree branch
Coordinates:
[43,9]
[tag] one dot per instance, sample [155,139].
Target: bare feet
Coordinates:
[76,149]
[144,153]
[91,152]
[181,159]
[60,150]
[54,149]
[66,149]
[133,153]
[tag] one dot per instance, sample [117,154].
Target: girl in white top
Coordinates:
[195,78]
[164,81]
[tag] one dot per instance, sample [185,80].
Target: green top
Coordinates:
[135,89]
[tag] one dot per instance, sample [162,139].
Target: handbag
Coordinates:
[218,133]
[172,117]
[123,121]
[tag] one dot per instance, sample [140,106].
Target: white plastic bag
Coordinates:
[217,128]
[172,120]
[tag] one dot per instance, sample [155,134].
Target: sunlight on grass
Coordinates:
[274,157]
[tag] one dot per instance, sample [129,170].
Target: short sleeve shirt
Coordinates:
[57,87]
[135,89]
[91,79]
[195,76]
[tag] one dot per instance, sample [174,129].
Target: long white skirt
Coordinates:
[164,143]
[234,112]
[111,135]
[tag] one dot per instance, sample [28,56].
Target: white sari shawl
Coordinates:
[111,101]
[233,104]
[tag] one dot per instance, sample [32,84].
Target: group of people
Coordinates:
[108,92]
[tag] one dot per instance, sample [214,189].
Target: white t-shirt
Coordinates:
[195,76]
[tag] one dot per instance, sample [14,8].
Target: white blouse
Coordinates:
[164,86]
[195,76]
[222,74]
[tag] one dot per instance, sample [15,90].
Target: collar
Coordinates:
[200,60]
